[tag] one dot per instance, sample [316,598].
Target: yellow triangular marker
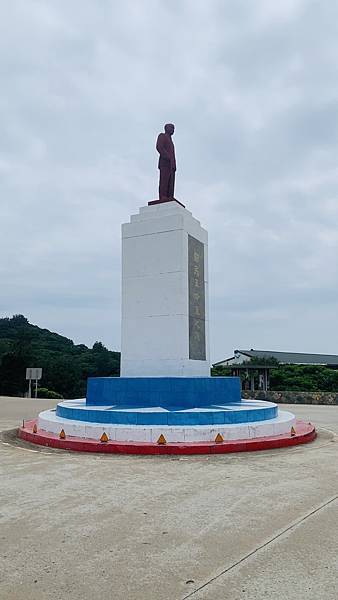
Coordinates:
[219,438]
[35,429]
[293,431]
[161,439]
[104,437]
[62,434]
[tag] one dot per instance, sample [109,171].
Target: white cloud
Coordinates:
[252,89]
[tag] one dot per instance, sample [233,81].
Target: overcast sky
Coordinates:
[252,87]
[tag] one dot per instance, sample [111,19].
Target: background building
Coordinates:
[253,366]
[284,358]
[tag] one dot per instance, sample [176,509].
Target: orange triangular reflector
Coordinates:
[35,429]
[219,438]
[161,439]
[293,431]
[62,434]
[104,437]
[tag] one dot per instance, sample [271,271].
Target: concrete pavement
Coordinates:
[238,526]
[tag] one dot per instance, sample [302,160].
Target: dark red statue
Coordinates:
[166,163]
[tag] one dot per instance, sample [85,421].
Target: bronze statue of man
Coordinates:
[166,163]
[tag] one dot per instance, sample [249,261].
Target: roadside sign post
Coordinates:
[33,374]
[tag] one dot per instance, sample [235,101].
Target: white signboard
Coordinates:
[33,373]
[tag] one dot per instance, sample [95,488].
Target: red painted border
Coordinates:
[305,432]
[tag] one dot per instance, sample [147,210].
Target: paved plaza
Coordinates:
[237,526]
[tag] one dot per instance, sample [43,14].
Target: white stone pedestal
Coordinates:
[164,294]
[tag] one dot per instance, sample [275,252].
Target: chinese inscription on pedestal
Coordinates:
[197,346]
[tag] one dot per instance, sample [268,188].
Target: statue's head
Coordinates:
[169,128]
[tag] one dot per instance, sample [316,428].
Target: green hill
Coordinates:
[65,365]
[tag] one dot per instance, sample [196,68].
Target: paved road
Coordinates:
[239,527]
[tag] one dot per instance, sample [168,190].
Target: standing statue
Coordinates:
[166,163]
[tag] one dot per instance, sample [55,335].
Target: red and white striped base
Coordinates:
[301,434]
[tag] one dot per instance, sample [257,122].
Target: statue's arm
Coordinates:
[160,147]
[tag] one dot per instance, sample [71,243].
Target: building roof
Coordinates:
[300,358]
[247,366]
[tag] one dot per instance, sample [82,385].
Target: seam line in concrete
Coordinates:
[330,431]
[247,556]
[128,237]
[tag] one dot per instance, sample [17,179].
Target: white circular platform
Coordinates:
[48,421]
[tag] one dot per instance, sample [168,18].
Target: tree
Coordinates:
[220,371]
[12,375]
[65,366]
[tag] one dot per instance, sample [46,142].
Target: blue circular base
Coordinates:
[170,401]
[215,414]
[180,392]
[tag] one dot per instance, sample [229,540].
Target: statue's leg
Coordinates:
[164,182]
[171,184]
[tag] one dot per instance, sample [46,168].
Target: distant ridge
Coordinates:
[66,366]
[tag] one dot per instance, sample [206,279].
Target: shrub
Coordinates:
[49,394]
